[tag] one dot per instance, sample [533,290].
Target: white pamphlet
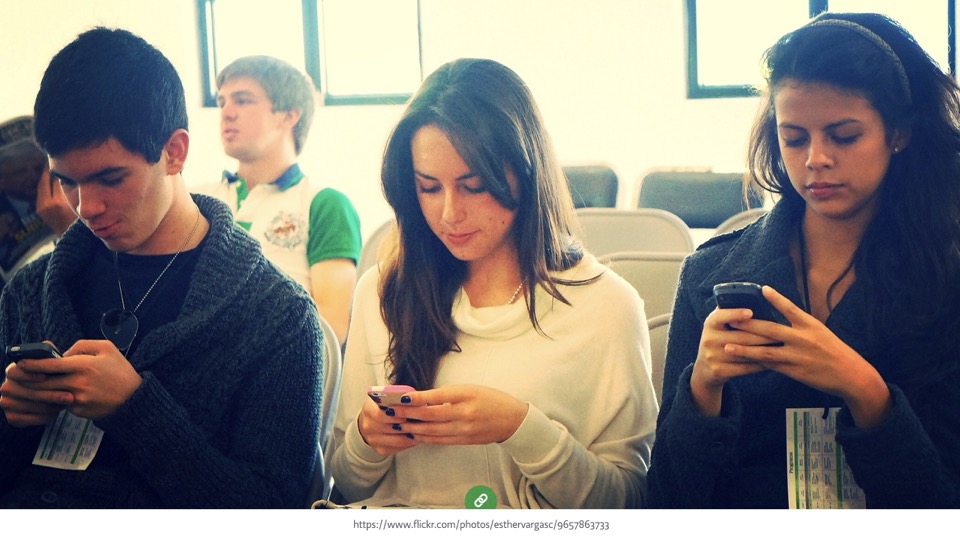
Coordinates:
[69,442]
[817,473]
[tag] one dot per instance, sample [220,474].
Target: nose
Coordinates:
[228,111]
[819,155]
[87,201]
[453,207]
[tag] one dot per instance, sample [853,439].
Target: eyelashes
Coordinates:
[474,190]
[840,141]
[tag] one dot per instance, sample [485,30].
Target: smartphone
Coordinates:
[389,395]
[31,350]
[744,295]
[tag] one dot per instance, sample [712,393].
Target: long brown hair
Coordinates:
[490,116]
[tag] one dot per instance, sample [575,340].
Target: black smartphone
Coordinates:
[31,350]
[744,295]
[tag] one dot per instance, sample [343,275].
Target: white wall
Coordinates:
[609,76]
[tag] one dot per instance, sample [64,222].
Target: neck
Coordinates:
[833,240]
[824,258]
[266,170]
[493,282]
[176,226]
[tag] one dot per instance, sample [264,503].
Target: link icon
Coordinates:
[480,497]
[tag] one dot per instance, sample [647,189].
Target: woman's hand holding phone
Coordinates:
[813,355]
[459,414]
[735,343]
[454,414]
[715,365]
[382,420]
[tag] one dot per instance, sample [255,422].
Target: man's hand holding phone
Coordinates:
[92,380]
[27,397]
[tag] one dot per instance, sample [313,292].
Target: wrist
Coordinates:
[707,395]
[870,402]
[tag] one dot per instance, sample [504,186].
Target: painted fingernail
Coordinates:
[397,427]
[390,412]
[405,400]
[382,408]
[409,435]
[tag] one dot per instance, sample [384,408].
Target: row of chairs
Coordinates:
[701,199]
[605,231]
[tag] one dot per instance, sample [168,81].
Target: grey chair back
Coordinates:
[608,230]
[659,327]
[703,200]
[592,186]
[653,274]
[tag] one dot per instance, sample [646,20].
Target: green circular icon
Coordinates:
[480,497]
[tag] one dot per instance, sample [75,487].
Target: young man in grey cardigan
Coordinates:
[174,390]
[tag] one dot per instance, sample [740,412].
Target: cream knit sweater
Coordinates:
[586,439]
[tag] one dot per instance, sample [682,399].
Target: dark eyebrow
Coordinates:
[834,125]
[108,171]
[467,176]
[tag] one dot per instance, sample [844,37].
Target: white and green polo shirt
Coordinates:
[296,226]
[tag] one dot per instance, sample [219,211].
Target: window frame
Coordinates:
[695,90]
[313,58]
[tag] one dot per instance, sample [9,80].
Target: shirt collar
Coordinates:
[288,179]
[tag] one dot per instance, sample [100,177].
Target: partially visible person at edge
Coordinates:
[186,396]
[33,211]
[498,319]
[858,136]
[266,109]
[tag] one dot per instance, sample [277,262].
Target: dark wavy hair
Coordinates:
[287,87]
[909,257]
[109,83]
[491,118]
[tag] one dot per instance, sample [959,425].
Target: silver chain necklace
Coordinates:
[120,325]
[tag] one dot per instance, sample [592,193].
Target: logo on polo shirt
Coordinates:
[287,230]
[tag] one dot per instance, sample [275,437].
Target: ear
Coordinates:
[901,138]
[291,117]
[176,151]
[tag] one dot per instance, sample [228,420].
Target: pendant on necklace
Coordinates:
[120,327]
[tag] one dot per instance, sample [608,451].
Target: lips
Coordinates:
[821,190]
[459,239]
[104,231]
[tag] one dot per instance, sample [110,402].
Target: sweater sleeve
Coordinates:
[264,455]
[17,445]
[356,468]
[908,461]
[605,464]
[692,449]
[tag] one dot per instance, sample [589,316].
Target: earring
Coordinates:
[896,149]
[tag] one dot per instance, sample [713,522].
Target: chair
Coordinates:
[592,186]
[653,274]
[659,327]
[608,230]
[370,252]
[701,199]
[322,482]
[740,220]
